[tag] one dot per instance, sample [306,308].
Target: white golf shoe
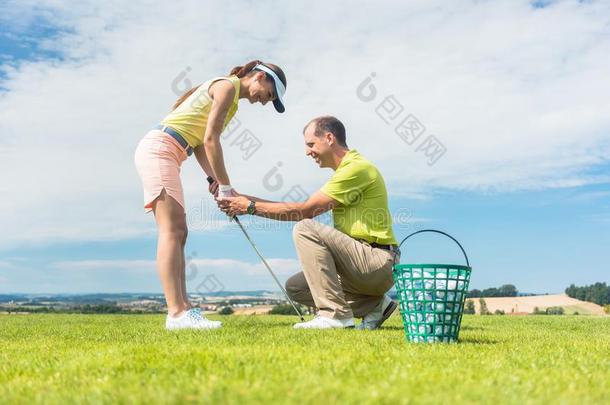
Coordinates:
[320,322]
[378,316]
[191,319]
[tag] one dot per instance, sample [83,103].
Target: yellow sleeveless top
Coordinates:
[190,118]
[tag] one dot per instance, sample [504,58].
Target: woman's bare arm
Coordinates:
[222,93]
[202,158]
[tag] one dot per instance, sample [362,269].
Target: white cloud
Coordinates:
[5,264]
[85,265]
[279,265]
[517,95]
[101,275]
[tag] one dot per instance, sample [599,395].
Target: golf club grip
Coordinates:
[211,180]
[442,233]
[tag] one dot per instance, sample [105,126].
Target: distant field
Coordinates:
[528,303]
[260,359]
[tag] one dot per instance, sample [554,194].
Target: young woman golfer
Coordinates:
[194,127]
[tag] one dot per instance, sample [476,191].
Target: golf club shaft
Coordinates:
[279,284]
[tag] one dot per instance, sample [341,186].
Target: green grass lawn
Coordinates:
[256,359]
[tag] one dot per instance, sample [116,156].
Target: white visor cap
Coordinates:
[280,89]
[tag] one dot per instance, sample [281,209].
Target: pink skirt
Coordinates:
[158,159]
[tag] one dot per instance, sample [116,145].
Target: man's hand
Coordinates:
[234,205]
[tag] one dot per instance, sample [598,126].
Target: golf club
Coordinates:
[211,180]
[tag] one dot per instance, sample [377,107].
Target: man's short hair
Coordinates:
[328,123]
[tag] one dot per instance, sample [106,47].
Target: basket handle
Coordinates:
[442,233]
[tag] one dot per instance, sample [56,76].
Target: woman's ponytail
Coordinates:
[241,71]
[184,97]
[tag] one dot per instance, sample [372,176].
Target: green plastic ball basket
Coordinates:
[432,297]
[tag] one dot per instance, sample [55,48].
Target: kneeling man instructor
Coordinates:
[347,269]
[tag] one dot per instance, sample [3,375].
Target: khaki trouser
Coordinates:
[341,276]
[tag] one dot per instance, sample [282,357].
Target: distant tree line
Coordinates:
[469,308]
[78,309]
[226,311]
[550,311]
[286,309]
[598,293]
[507,290]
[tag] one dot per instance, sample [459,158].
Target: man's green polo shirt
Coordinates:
[362,212]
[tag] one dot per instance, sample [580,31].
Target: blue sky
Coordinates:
[540,241]
[524,183]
